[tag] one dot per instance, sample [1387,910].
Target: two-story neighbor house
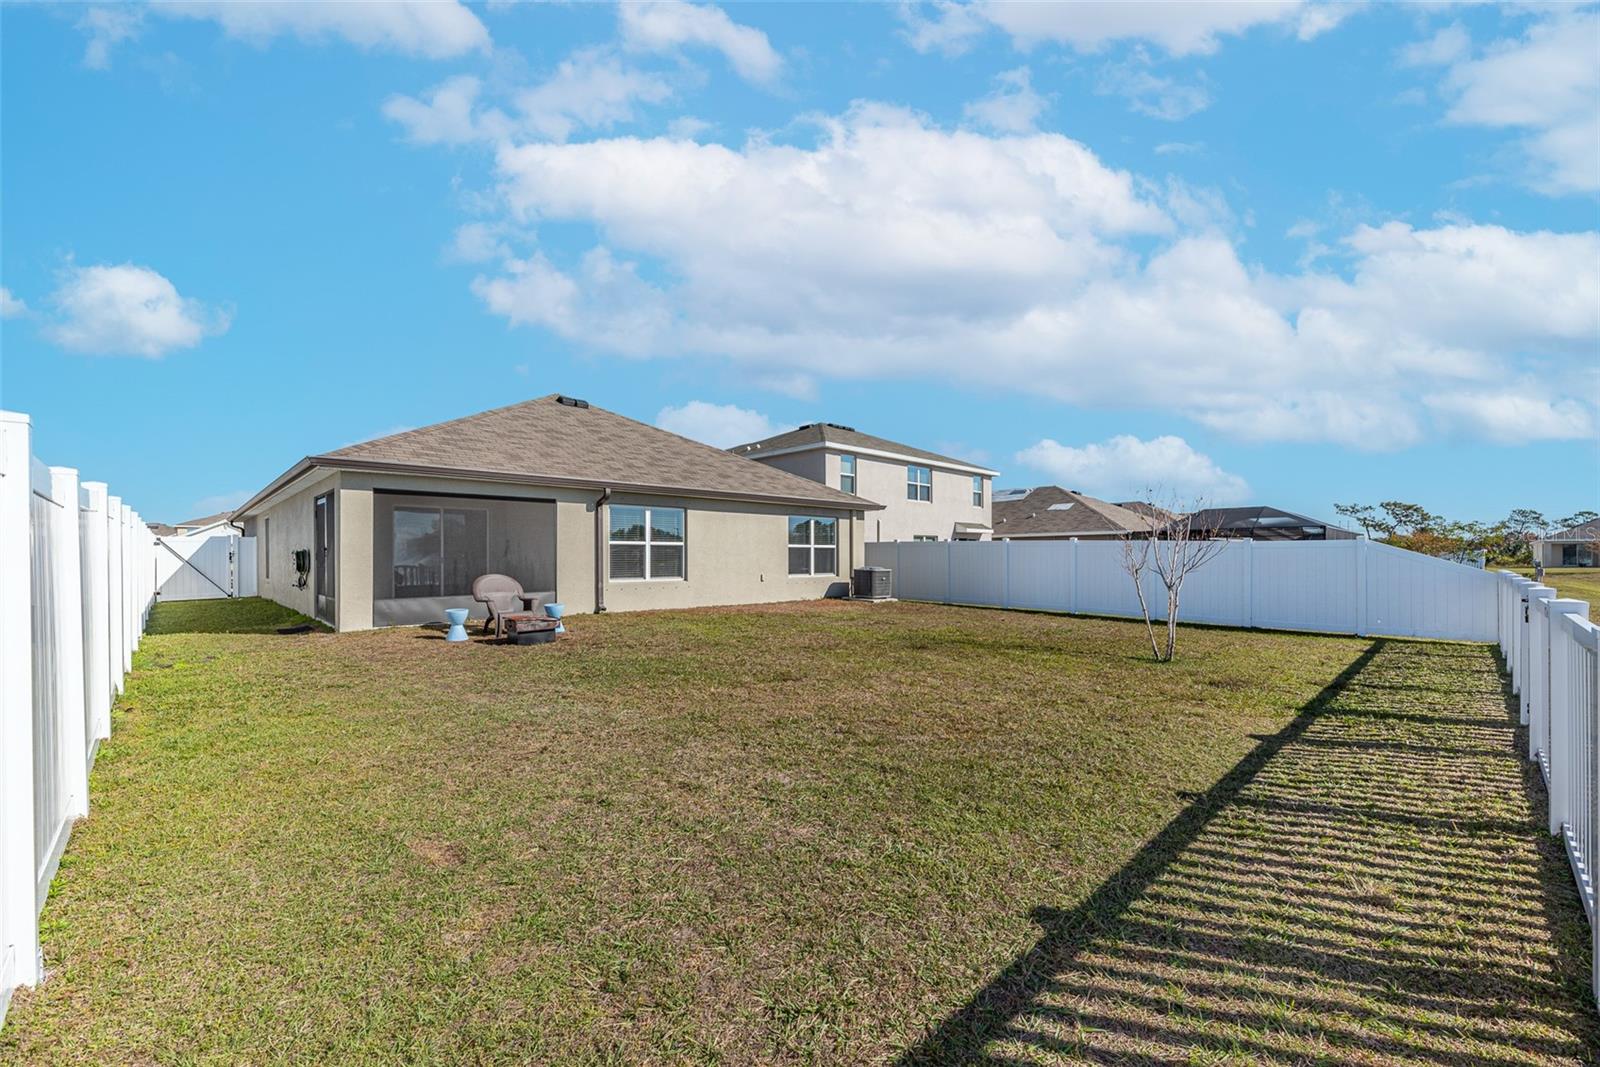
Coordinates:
[925,496]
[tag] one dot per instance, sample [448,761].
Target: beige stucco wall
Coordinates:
[883,481]
[291,529]
[352,528]
[735,552]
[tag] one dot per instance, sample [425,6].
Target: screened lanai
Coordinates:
[427,550]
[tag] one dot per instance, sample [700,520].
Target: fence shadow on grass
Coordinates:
[1369,884]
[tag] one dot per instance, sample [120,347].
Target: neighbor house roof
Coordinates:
[848,439]
[1584,532]
[203,521]
[1264,521]
[1149,510]
[554,440]
[1051,511]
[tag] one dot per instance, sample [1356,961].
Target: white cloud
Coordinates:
[1013,107]
[1175,148]
[1546,84]
[106,27]
[127,310]
[894,248]
[591,88]
[721,425]
[1126,468]
[665,25]
[11,306]
[1511,417]
[439,29]
[1446,46]
[446,117]
[1149,93]
[1177,27]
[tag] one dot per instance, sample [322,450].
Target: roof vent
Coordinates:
[571,401]
[841,426]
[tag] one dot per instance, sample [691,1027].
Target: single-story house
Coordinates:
[925,496]
[1264,524]
[1051,513]
[1576,546]
[606,512]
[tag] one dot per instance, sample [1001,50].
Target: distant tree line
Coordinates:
[1509,541]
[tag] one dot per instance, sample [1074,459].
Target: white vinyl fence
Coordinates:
[1348,587]
[1553,653]
[77,578]
[210,565]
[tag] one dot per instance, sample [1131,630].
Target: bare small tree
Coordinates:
[1171,551]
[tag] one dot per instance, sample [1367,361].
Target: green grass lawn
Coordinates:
[1581,583]
[818,833]
[243,615]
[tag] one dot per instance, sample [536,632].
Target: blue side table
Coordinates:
[458,623]
[555,611]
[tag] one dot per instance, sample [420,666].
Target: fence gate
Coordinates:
[212,565]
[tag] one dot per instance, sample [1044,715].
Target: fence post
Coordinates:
[1361,586]
[1005,561]
[1249,583]
[67,564]
[1073,596]
[949,577]
[1530,656]
[115,617]
[19,932]
[96,658]
[1563,715]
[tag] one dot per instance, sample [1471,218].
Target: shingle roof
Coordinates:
[207,520]
[1587,531]
[832,435]
[1051,510]
[547,441]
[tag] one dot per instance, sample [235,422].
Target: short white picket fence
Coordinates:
[77,579]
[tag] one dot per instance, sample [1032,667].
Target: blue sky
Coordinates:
[1272,253]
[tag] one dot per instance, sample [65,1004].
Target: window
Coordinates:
[813,545]
[646,543]
[919,483]
[923,537]
[977,491]
[847,473]
[439,551]
[266,547]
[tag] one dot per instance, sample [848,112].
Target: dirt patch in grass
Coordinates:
[824,833]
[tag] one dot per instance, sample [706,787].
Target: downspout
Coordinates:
[600,551]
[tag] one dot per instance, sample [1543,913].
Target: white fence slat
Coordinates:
[76,580]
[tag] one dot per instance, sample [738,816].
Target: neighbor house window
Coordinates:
[646,543]
[977,491]
[266,547]
[847,473]
[923,537]
[813,545]
[439,551]
[919,483]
